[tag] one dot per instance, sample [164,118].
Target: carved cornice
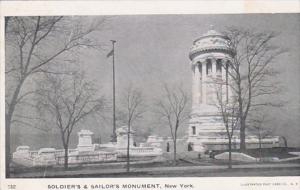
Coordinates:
[212,41]
[198,51]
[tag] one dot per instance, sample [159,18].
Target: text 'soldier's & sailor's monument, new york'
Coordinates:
[210,56]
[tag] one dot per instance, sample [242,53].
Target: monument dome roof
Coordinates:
[211,41]
[212,33]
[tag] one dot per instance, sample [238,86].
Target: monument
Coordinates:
[85,141]
[122,137]
[136,152]
[210,56]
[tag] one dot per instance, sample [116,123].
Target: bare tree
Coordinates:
[172,108]
[251,71]
[133,109]
[228,109]
[32,44]
[257,123]
[68,100]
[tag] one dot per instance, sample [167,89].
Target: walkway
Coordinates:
[153,170]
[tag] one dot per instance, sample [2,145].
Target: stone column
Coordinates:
[197,84]
[224,82]
[212,87]
[200,83]
[204,78]
[229,93]
[194,83]
[214,67]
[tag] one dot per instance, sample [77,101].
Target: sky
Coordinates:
[153,49]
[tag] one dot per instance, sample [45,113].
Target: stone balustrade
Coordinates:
[140,151]
[88,158]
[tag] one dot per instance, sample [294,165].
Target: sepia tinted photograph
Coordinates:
[130,96]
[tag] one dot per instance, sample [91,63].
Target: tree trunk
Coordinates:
[241,117]
[174,145]
[66,164]
[229,150]
[7,145]
[8,118]
[243,136]
[128,147]
[260,151]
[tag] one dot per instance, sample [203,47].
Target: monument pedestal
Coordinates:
[85,141]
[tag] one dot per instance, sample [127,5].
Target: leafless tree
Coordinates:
[251,71]
[32,44]
[172,108]
[133,109]
[66,101]
[258,125]
[228,109]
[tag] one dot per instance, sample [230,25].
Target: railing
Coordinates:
[58,152]
[88,158]
[24,161]
[139,149]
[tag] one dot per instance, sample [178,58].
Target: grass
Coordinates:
[279,152]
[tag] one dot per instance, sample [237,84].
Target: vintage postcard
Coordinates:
[105,95]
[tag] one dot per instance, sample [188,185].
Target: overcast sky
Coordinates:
[154,49]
